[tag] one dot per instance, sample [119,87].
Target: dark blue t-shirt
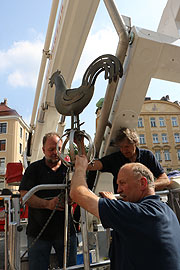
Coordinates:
[146,235]
[113,162]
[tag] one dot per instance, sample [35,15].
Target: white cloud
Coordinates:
[20,63]
[16,79]
[102,42]
[20,78]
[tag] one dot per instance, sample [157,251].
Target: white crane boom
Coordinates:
[73,25]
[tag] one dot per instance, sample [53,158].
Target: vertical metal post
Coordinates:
[66,221]
[16,220]
[14,234]
[65,230]
[71,137]
[6,200]
[97,247]
[13,251]
[85,239]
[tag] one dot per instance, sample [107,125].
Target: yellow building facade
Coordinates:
[159,131]
[13,137]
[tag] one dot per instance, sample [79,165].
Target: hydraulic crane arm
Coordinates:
[73,25]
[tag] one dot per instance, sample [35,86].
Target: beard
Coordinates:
[52,160]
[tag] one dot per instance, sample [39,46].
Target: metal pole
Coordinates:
[120,28]
[12,246]
[16,223]
[92,266]
[41,187]
[6,201]
[85,239]
[111,88]
[66,224]
[44,58]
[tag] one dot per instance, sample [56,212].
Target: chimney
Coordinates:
[5,102]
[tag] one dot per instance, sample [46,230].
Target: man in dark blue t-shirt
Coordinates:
[127,142]
[146,232]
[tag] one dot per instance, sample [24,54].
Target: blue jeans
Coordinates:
[39,253]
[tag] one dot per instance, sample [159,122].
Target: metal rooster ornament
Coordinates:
[71,102]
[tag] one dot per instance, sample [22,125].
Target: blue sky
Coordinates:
[23,26]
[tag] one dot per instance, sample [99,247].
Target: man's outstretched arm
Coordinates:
[162,182]
[79,191]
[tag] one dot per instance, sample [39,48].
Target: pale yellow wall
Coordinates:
[11,139]
[11,154]
[166,109]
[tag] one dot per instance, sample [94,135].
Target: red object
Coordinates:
[74,207]
[23,214]
[1,226]
[67,158]
[14,172]
[2,221]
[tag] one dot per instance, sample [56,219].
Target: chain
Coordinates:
[45,225]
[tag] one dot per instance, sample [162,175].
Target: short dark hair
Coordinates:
[128,133]
[50,134]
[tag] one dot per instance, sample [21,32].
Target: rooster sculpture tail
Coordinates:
[108,63]
[70,102]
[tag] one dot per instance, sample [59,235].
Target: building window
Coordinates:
[142,139]
[174,122]
[161,122]
[26,136]
[166,155]
[3,128]
[2,165]
[176,137]
[140,122]
[20,148]
[158,155]
[21,131]
[2,145]
[178,154]
[164,138]
[153,121]
[155,138]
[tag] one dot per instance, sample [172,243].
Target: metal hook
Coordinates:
[70,135]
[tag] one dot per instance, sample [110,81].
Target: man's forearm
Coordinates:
[96,165]
[162,182]
[80,193]
[78,181]
[36,202]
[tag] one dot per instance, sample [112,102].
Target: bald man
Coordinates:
[146,232]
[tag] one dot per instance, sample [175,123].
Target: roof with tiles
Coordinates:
[5,110]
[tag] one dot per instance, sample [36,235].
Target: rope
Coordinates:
[44,227]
